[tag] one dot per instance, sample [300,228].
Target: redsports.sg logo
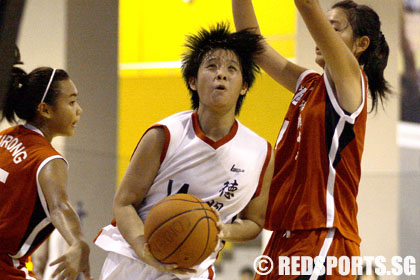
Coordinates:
[304,265]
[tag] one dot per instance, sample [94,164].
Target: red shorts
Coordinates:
[311,243]
[14,269]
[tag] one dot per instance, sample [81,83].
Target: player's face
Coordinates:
[341,25]
[66,112]
[219,81]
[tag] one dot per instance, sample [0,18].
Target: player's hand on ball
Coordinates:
[220,226]
[172,268]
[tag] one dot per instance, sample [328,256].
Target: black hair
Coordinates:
[365,22]
[26,91]
[364,272]
[245,44]
[247,270]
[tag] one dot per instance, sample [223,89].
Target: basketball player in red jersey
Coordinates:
[312,205]
[33,175]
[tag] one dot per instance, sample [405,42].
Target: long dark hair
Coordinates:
[245,44]
[26,91]
[365,22]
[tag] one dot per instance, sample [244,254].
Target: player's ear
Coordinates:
[244,88]
[44,110]
[362,44]
[192,82]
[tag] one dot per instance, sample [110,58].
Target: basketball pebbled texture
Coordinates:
[181,229]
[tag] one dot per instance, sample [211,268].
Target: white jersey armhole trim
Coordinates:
[28,242]
[302,76]
[282,131]
[40,192]
[348,118]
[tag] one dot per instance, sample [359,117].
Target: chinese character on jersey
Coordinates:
[229,189]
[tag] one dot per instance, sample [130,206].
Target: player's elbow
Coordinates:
[305,4]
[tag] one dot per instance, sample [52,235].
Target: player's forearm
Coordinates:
[66,221]
[131,226]
[240,231]
[244,15]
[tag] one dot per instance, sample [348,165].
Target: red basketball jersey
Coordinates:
[24,217]
[318,161]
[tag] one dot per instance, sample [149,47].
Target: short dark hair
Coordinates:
[245,44]
[247,270]
[26,91]
[365,22]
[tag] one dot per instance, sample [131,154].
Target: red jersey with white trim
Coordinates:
[24,216]
[318,161]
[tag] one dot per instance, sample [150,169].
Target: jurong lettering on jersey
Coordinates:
[14,146]
[24,151]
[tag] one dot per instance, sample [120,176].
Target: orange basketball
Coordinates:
[181,229]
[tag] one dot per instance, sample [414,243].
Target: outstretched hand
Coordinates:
[73,262]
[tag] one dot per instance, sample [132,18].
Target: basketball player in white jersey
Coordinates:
[205,152]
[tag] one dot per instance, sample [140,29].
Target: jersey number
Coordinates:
[3,175]
[183,189]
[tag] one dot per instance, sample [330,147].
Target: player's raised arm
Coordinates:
[340,54]
[279,68]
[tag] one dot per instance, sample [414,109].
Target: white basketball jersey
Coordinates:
[226,174]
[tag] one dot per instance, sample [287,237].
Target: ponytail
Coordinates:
[14,95]
[374,62]
[365,22]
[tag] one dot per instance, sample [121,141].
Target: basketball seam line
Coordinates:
[208,235]
[177,215]
[183,241]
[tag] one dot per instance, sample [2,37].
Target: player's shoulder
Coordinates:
[307,77]
[249,135]
[9,130]
[177,118]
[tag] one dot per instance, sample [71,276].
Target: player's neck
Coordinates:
[215,125]
[45,130]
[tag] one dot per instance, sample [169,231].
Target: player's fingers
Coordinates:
[59,269]
[168,267]
[183,270]
[147,251]
[219,222]
[72,276]
[86,273]
[63,275]
[60,259]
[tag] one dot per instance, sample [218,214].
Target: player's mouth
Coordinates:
[221,88]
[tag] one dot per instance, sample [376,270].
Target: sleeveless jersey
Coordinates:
[24,217]
[226,174]
[318,161]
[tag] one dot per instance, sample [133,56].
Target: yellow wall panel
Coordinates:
[155,30]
